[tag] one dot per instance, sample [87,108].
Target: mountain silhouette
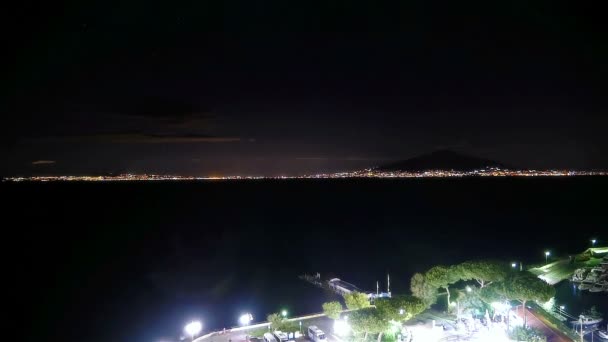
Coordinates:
[441,160]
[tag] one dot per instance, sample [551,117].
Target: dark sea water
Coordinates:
[576,301]
[134,261]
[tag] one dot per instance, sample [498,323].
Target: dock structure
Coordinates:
[343,288]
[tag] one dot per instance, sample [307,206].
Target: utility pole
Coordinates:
[581,320]
[388,283]
[377,288]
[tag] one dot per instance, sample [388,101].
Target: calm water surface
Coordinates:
[133,261]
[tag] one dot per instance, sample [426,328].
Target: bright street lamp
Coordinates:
[341,327]
[469,289]
[593,242]
[514,265]
[193,328]
[284,313]
[245,319]
[547,253]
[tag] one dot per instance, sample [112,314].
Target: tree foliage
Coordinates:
[356,300]
[368,320]
[332,309]
[496,283]
[484,272]
[400,308]
[524,287]
[276,321]
[423,290]
[442,277]
[494,293]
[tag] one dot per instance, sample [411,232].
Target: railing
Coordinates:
[258,325]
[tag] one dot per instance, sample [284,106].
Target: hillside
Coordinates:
[441,160]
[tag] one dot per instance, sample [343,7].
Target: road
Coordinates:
[323,323]
[538,323]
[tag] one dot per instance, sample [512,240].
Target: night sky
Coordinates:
[259,87]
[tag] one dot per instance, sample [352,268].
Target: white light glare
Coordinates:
[341,328]
[245,319]
[193,328]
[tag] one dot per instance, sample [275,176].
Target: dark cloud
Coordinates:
[340,158]
[138,138]
[43,162]
[164,109]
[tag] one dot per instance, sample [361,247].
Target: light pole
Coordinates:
[547,253]
[193,328]
[244,320]
[593,241]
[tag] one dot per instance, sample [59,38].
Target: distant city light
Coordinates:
[368,173]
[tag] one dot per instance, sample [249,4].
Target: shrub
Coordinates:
[527,335]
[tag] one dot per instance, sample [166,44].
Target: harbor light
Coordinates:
[193,328]
[284,313]
[245,319]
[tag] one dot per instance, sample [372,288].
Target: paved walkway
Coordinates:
[537,323]
[324,323]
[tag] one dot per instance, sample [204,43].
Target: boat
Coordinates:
[585,285]
[586,320]
[579,275]
[599,287]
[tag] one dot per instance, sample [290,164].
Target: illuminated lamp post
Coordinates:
[193,328]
